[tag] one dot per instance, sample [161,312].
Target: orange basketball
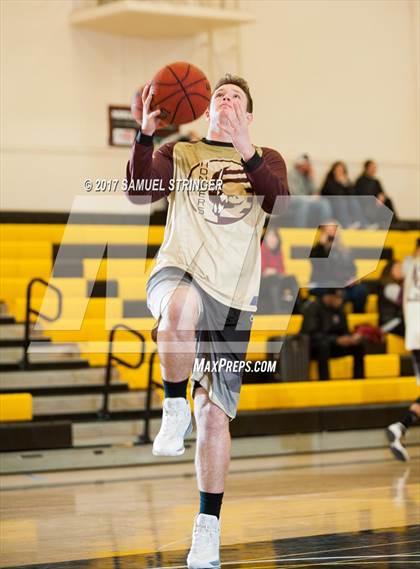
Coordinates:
[182,93]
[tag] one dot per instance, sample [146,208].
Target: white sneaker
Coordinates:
[395,433]
[176,424]
[204,552]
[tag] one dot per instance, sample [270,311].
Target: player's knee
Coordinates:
[181,312]
[210,418]
[172,314]
[177,317]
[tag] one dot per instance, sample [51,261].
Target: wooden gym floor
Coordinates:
[339,509]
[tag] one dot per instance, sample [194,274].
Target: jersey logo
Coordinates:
[228,205]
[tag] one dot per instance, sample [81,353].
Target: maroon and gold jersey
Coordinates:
[214,234]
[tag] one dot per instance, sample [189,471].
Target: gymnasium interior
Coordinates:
[312,481]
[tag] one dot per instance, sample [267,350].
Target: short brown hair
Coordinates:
[229,79]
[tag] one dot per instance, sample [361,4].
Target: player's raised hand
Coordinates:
[150,121]
[137,105]
[235,123]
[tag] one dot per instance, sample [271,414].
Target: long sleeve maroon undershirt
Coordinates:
[267,173]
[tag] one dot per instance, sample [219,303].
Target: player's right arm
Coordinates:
[144,164]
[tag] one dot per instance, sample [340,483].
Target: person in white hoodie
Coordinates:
[411,304]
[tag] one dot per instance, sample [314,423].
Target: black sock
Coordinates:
[178,389]
[210,504]
[409,419]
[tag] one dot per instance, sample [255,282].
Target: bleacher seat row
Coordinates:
[100,292]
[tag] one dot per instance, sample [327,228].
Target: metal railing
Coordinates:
[145,437]
[25,363]
[104,412]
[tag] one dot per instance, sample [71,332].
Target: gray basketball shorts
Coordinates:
[222,337]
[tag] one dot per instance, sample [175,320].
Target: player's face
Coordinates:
[222,102]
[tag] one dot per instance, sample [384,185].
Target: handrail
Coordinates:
[104,413]
[24,364]
[145,437]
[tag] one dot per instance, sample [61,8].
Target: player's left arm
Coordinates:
[268,177]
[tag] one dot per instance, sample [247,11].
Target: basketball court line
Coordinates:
[300,562]
[309,558]
[345,558]
[291,557]
[357,546]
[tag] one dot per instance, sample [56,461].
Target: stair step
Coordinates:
[17,331]
[53,365]
[18,343]
[5,320]
[30,436]
[41,352]
[64,348]
[68,390]
[58,378]
[130,401]
[111,432]
[92,416]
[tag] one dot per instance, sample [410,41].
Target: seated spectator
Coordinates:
[326,324]
[347,210]
[341,268]
[390,299]
[306,207]
[278,291]
[368,185]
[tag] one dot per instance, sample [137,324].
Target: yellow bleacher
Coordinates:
[26,252]
[79,233]
[326,393]
[15,407]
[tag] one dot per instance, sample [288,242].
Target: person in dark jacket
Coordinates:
[326,324]
[341,269]
[390,299]
[337,185]
[368,185]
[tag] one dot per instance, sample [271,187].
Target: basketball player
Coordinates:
[204,287]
